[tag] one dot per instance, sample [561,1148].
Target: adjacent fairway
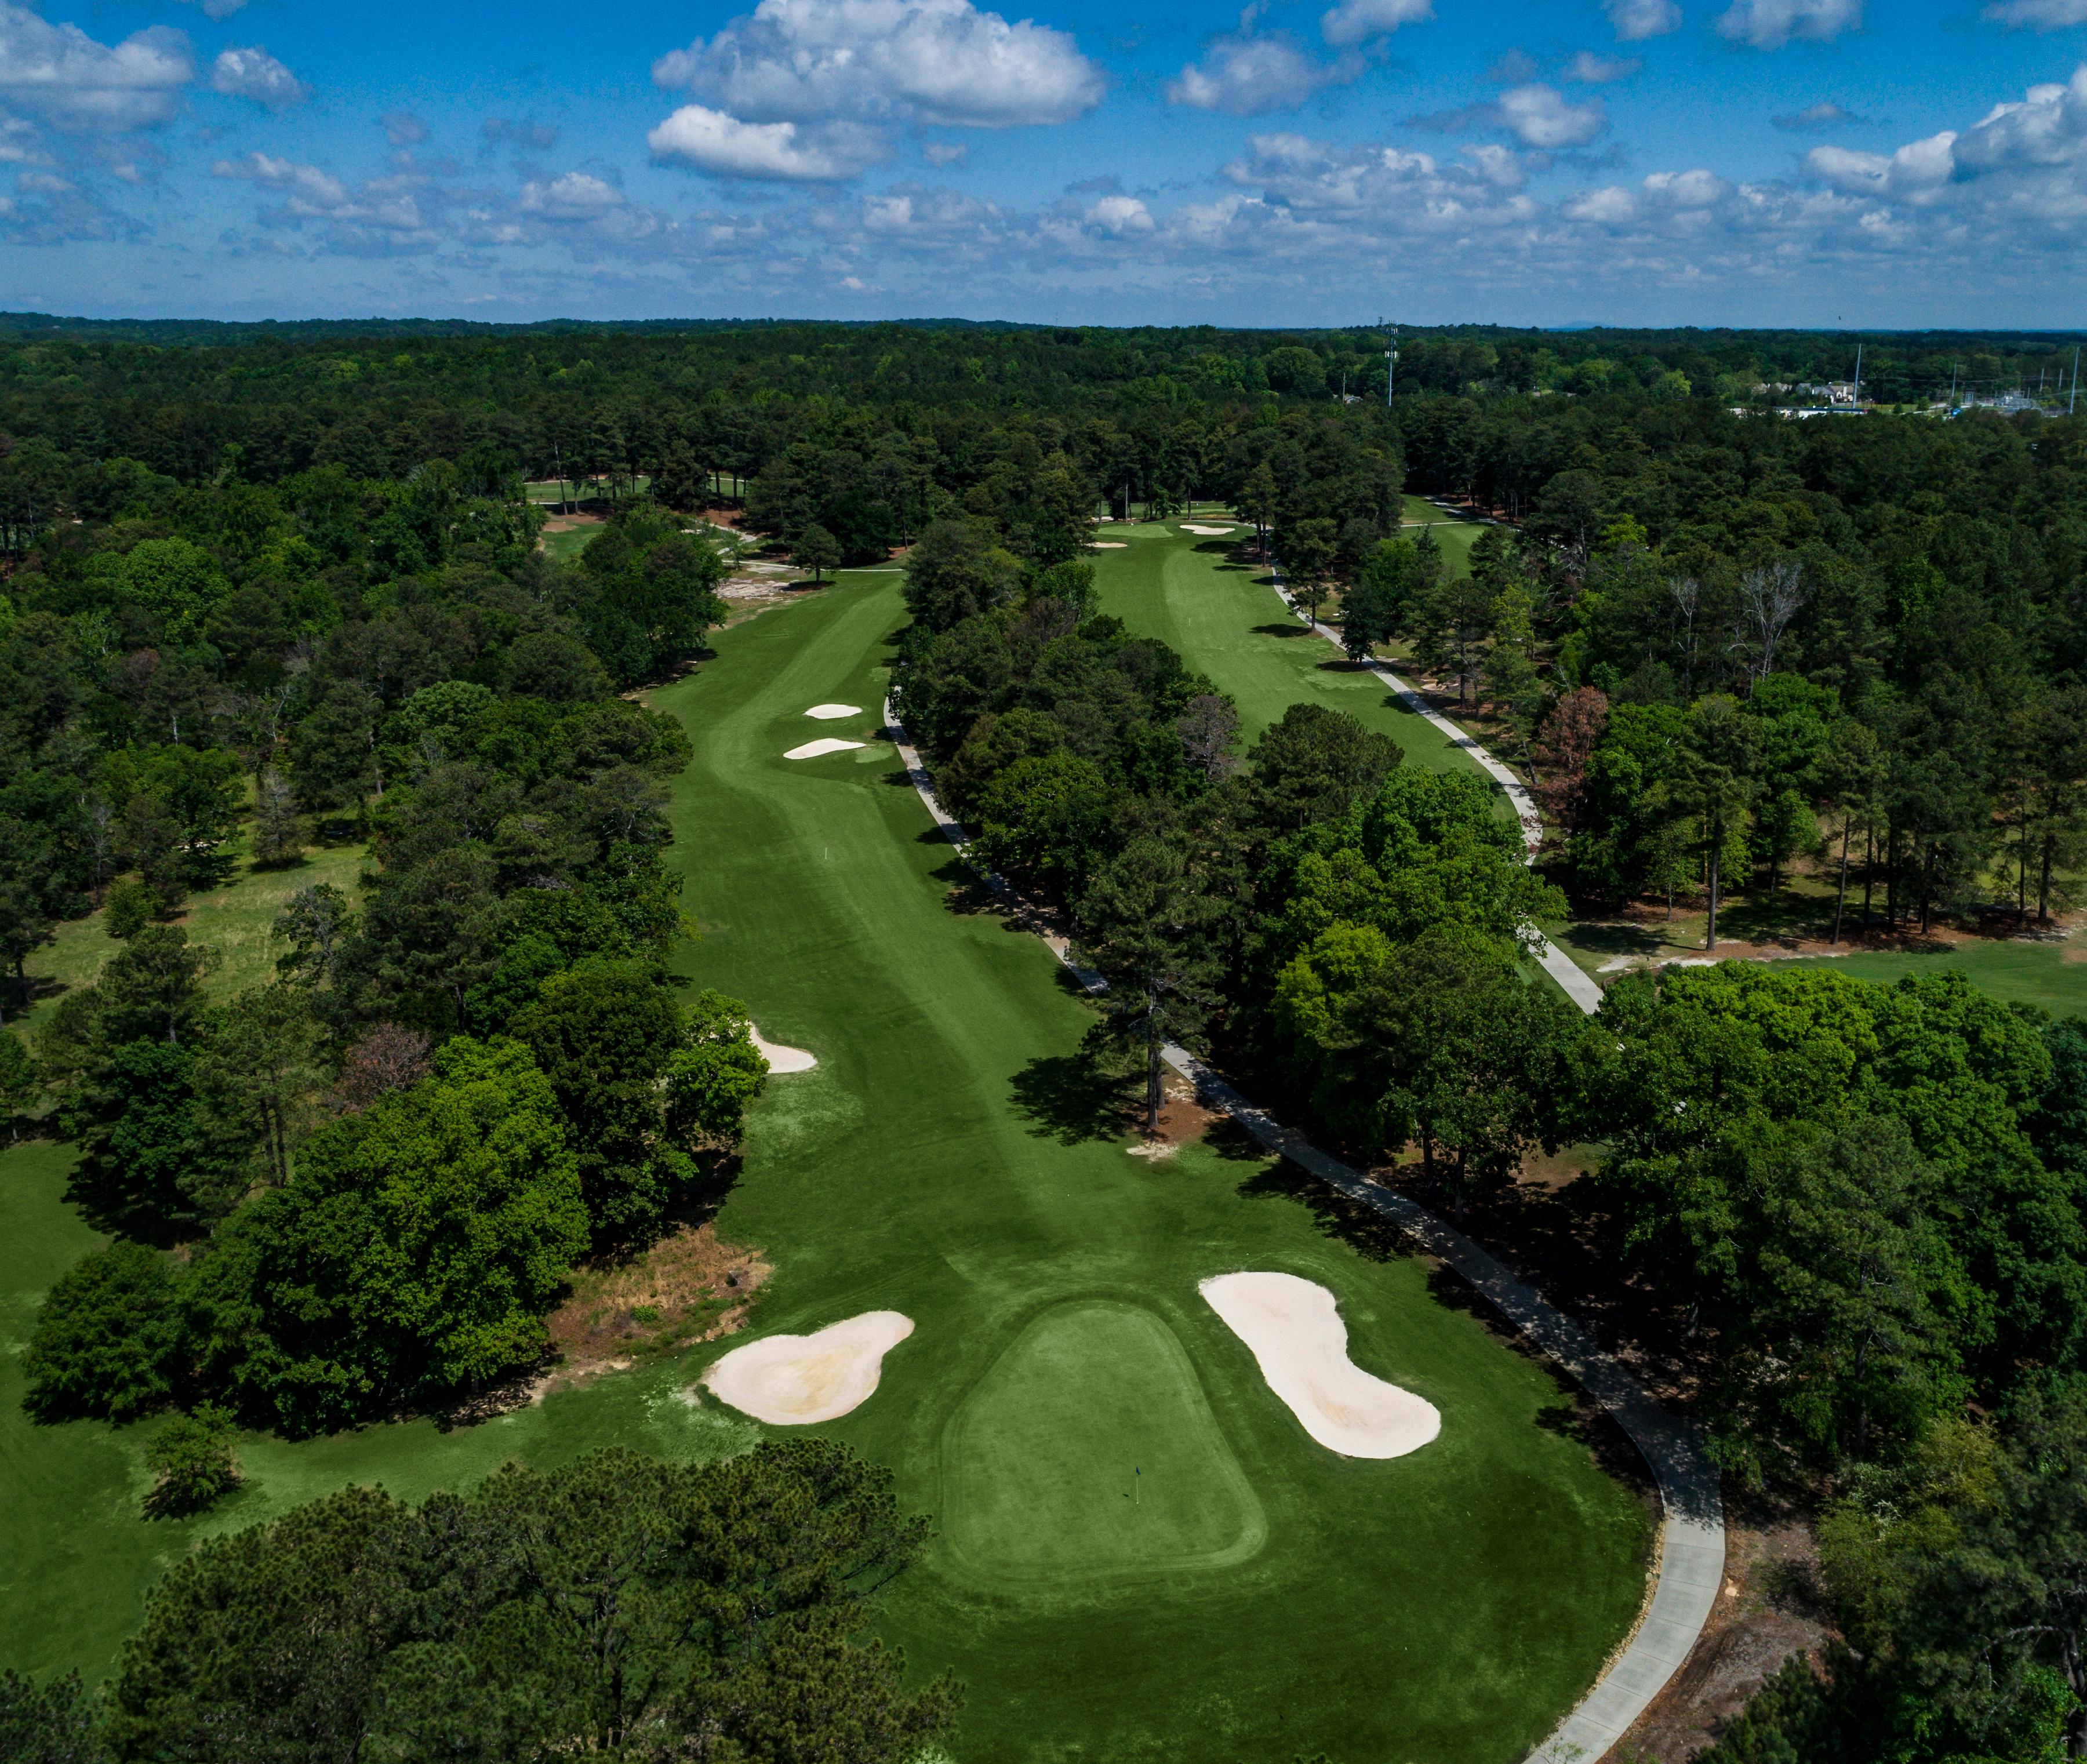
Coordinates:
[1251,1595]
[1223,615]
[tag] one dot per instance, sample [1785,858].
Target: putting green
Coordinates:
[952,1157]
[1089,1452]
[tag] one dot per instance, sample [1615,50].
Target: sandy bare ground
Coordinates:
[1110,545]
[1208,532]
[798,1381]
[783,1059]
[830,713]
[1295,1330]
[816,749]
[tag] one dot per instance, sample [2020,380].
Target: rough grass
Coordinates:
[953,1157]
[688,1287]
[237,919]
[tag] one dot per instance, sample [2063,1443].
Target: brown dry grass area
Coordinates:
[691,1286]
[565,523]
[1767,1611]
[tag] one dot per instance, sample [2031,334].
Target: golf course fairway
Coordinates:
[1140,1553]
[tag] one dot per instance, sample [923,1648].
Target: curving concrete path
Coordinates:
[1690,1566]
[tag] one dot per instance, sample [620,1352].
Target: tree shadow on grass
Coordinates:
[1072,1099]
[1615,939]
[1284,629]
[1372,1235]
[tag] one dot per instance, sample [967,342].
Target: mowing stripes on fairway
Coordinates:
[796,1380]
[1088,1452]
[1294,1331]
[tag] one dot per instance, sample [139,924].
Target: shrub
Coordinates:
[108,1341]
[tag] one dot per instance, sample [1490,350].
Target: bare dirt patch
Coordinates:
[691,1286]
[1767,1611]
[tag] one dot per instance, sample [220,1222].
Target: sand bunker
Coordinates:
[1296,1332]
[1213,532]
[797,1381]
[1109,544]
[825,744]
[783,1059]
[827,713]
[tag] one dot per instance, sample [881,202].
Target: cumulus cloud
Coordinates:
[219,9]
[943,153]
[253,73]
[878,60]
[1634,20]
[1771,24]
[59,73]
[1244,75]
[2038,15]
[1589,69]
[1354,22]
[1537,116]
[712,141]
[1824,115]
[47,210]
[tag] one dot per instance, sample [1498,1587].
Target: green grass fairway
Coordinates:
[1255,1597]
[2052,975]
[1227,620]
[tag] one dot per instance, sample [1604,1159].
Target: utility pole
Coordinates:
[1952,388]
[1857,400]
[1390,365]
[2072,397]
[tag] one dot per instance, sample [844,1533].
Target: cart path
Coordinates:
[1690,1566]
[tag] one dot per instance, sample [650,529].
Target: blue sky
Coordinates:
[1304,162]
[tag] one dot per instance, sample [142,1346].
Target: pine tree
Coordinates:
[279,829]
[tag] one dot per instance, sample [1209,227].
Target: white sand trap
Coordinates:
[796,1381]
[828,713]
[1110,545]
[1296,1333]
[780,1058]
[825,744]
[1213,532]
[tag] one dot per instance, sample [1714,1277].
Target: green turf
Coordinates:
[2053,974]
[1225,618]
[950,1158]
[236,919]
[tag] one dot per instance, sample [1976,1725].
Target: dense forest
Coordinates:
[273,586]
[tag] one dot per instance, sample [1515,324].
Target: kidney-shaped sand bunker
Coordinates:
[798,1381]
[1294,1331]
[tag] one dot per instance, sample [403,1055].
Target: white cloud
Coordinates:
[1358,21]
[61,73]
[2039,15]
[1636,20]
[711,141]
[1244,75]
[1537,116]
[401,128]
[253,73]
[877,60]
[941,153]
[1771,24]
[1589,69]
[220,9]
[320,189]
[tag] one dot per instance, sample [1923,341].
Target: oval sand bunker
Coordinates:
[828,713]
[796,1381]
[780,1058]
[825,744]
[1295,1330]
